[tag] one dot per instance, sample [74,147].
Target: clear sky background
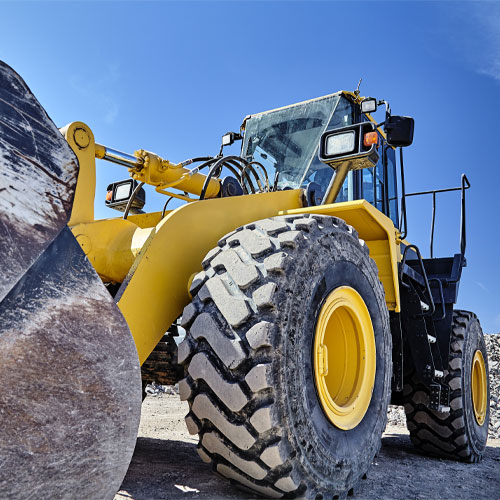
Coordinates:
[173,77]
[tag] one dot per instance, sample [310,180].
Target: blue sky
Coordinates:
[173,77]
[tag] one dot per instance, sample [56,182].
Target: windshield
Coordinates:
[285,141]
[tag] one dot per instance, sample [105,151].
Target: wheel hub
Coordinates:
[344,357]
[479,386]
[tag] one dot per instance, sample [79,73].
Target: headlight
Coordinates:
[356,143]
[123,191]
[340,143]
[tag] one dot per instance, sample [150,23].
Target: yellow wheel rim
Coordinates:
[344,357]
[479,387]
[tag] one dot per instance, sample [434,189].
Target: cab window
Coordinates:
[378,184]
[321,173]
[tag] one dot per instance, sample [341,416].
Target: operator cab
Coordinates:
[286,141]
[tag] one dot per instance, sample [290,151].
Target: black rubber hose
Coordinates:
[165,207]
[206,164]
[236,174]
[249,166]
[218,165]
[166,203]
[200,158]
[240,176]
[258,164]
[210,174]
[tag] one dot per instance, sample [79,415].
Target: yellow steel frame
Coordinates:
[155,258]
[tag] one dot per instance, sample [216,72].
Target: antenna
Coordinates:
[359,84]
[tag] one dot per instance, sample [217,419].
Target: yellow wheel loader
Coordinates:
[282,296]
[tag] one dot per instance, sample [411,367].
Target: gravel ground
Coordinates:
[166,466]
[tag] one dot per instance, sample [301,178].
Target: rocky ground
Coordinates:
[493,347]
[166,465]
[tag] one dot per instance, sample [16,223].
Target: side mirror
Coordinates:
[119,193]
[369,105]
[399,130]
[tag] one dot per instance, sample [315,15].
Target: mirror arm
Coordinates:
[403,220]
[387,108]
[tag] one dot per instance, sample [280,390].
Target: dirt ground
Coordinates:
[166,466]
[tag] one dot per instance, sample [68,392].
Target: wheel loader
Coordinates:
[281,295]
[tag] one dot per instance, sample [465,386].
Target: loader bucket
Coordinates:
[70,391]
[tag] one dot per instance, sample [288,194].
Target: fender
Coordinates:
[378,232]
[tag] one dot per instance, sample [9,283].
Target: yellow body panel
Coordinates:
[377,231]
[111,245]
[155,291]
[147,220]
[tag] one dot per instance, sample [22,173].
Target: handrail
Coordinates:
[423,272]
[441,296]
[465,185]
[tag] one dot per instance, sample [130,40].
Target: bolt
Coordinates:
[81,138]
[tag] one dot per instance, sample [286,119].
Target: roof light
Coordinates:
[369,105]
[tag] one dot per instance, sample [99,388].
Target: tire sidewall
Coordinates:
[474,341]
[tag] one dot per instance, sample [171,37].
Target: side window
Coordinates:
[392,185]
[373,188]
[367,191]
[378,184]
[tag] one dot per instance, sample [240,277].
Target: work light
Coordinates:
[340,143]
[356,142]
[369,105]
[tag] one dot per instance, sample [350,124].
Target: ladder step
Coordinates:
[425,307]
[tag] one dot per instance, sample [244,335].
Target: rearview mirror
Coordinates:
[399,130]
[119,193]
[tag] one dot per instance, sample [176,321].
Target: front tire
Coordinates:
[249,357]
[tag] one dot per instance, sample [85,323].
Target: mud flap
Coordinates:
[70,387]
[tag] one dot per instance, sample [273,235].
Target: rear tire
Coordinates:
[458,434]
[161,366]
[248,356]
